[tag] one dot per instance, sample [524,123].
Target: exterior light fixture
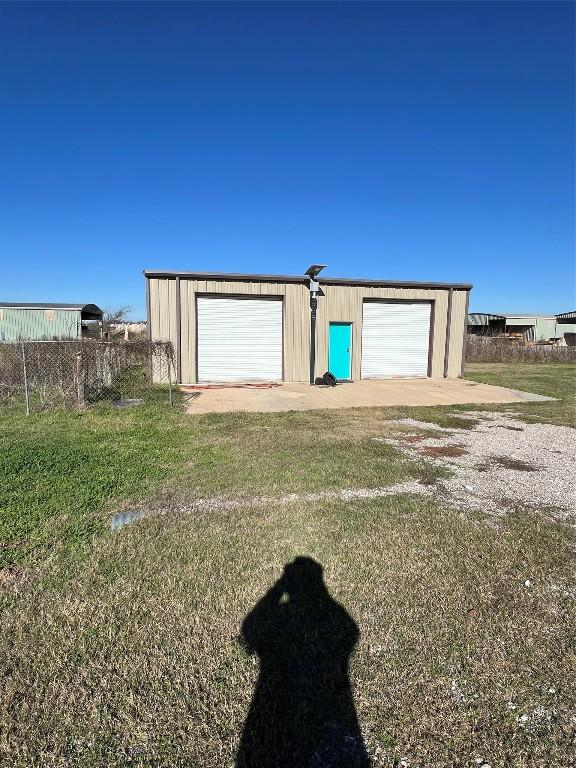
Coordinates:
[313,273]
[314,270]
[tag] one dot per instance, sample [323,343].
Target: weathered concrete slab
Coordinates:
[360,394]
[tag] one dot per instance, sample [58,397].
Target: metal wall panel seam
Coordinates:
[447,338]
[178,334]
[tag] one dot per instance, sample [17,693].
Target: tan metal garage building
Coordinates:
[238,327]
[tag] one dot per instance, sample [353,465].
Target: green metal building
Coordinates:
[567,326]
[36,322]
[532,327]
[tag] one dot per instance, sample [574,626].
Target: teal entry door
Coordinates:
[340,350]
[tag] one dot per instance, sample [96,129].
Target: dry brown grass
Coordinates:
[495,349]
[134,660]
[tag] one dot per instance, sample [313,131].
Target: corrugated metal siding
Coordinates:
[296,318]
[23,323]
[457,328]
[344,303]
[341,303]
[563,328]
[531,328]
[483,319]
[162,320]
[545,328]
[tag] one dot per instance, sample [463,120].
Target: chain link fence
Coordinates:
[47,375]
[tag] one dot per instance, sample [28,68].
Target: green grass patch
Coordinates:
[554,380]
[123,648]
[63,472]
[135,658]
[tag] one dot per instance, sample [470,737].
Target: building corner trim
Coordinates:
[465,334]
[148,318]
[178,334]
[448,329]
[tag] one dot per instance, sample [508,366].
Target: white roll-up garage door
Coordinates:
[239,339]
[395,339]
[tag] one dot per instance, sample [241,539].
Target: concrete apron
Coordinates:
[360,394]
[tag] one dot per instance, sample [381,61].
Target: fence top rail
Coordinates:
[99,342]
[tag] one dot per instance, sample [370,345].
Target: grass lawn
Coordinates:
[557,381]
[127,648]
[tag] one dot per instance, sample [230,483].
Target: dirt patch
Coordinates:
[12,544]
[438,451]
[412,438]
[504,462]
[507,463]
[429,480]
[219,504]
[10,575]
[497,465]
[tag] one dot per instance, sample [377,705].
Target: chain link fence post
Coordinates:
[150,363]
[170,397]
[25,379]
[80,394]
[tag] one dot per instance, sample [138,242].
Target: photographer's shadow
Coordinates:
[302,713]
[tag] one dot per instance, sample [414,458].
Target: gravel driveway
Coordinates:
[500,462]
[497,464]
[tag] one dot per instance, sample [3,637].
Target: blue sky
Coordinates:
[418,141]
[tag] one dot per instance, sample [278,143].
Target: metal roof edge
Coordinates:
[518,315]
[566,315]
[228,276]
[240,276]
[489,314]
[393,283]
[49,305]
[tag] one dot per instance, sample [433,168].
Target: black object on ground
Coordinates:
[329,379]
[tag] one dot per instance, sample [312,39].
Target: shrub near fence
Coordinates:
[494,349]
[43,375]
